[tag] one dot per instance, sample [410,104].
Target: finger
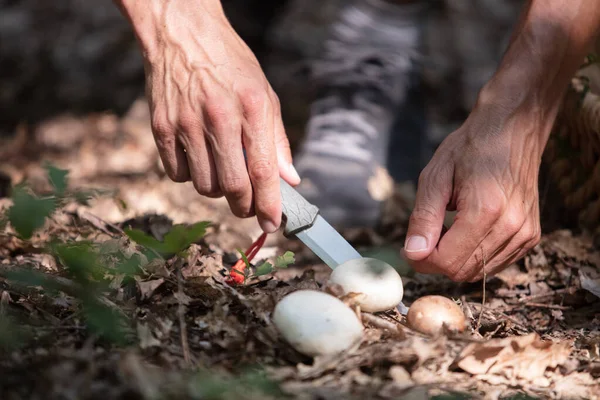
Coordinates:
[473,223]
[529,235]
[427,218]
[171,152]
[202,164]
[282,144]
[263,170]
[223,132]
[507,233]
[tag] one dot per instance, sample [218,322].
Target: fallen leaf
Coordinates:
[526,357]
[400,376]
[182,298]
[146,337]
[147,288]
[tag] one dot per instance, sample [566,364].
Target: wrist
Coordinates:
[157,22]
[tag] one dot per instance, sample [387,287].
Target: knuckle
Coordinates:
[276,102]
[161,126]
[513,222]
[242,213]
[424,177]
[207,190]
[254,100]
[219,111]
[236,187]
[178,176]
[266,208]
[189,122]
[262,170]
[492,208]
[423,214]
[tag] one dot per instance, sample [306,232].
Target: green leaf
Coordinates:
[285,260]
[81,261]
[264,269]
[244,258]
[58,178]
[145,240]
[28,212]
[105,321]
[180,237]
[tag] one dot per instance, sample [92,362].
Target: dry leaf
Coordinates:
[400,376]
[147,288]
[146,337]
[525,357]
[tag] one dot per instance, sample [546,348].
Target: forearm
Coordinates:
[156,21]
[548,44]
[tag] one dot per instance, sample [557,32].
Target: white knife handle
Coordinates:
[298,213]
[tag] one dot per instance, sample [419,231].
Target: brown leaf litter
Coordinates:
[538,333]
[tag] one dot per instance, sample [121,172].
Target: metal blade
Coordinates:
[331,247]
[327,243]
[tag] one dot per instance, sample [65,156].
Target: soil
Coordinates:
[533,330]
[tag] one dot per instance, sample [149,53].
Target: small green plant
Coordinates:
[251,384]
[30,211]
[88,267]
[176,242]
[282,261]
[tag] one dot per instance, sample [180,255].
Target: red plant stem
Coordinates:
[236,276]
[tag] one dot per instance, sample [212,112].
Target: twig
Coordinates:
[100,223]
[503,315]
[185,346]
[382,323]
[545,294]
[483,298]
[551,306]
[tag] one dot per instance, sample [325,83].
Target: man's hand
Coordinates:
[487,170]
[210,101]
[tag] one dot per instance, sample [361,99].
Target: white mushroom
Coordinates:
[378,284]
[429,314]
[316,323]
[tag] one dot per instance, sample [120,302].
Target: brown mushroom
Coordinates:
[432,314]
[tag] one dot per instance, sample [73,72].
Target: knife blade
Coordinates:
[302,220]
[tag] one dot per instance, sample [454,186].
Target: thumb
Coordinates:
[427,218]
[284,155]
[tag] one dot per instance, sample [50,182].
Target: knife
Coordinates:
[302,220]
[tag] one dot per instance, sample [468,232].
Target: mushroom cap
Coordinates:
[316,323]
[428,315]
[379,284]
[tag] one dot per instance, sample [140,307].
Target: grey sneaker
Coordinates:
[362,80]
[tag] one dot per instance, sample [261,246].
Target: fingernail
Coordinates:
[415,243]
[268,226]
[293,172]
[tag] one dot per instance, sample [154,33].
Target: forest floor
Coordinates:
[176,329]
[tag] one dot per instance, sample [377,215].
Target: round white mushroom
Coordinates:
[377,284]
[316,323]
[429,315]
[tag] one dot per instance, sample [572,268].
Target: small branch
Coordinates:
[99,223]
[381,323]
[546,294]
[551,306]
